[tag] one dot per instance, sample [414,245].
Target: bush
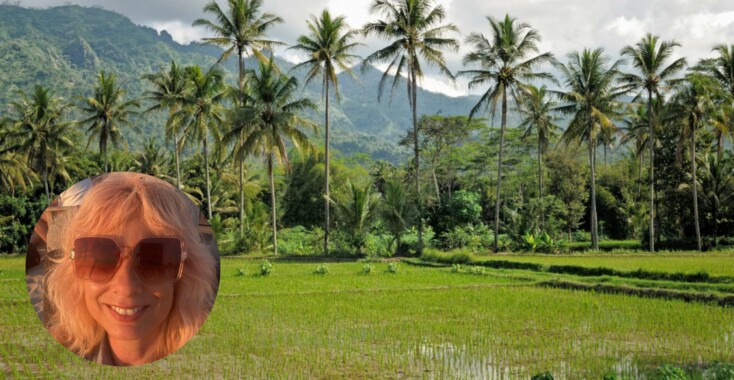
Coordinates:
[720,371]
[455,268]
[300,241]
[241,272]
[392,268]
[266,268]
[669,372]
[322,270]
[477,270]
[367,268]
[542,376]
[475,238]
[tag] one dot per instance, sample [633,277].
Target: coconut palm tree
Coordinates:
[169,88]
[396,210]
[590,100]
[506,64]
[40,131]
[358,213]
[202,114]
[240,29]
[650,58]
[270,117]
[538,112]
[329,47]
[693,101]
[413,27]
[107,111]
[721,67]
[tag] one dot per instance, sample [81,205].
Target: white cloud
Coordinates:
[632,27]
[704,24]
[182,33]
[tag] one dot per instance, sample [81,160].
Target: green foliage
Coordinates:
[18,215]
[265,268]
[241,272]
[367,268]
[543,376]
[301,241]
[720,371]
[455,268]
[392,268]
[669,372]
[477,270]
[476,238]
[322,269]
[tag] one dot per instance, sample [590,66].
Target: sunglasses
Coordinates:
[155,259]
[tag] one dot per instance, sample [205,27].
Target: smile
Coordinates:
[126,314]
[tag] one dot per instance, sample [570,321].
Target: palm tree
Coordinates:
[413,26]
[396,210]
[650,58]
[718,185]
[505,67]
[202,114]
[107,111]
[169,88]
[538,114]
[240,29]
[40,132]
[721,67]
[692,102]
[358,213]
[590,102]
[328,47]
[270,116]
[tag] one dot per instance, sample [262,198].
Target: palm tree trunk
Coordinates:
[208,190]
[45,183]
[414,106]
[272,201]
[435,182]
[592,164]
[695,187]
[241,85]
[652,170]
[540,183]
[326,168]
[499,173]
[178,165]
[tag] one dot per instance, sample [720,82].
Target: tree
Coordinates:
[396,210]
[358,213]
[201,113]
[717,183]
[107,111]
[40,132]
[412,26]
[566,183]
[505,67]
[328,47]
[169,89]
[650,58]
[590,102]
[240,29]
[539,115]
[692,102]
[270,117]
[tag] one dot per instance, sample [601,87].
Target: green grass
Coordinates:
[419,322]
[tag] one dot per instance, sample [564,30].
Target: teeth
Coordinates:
[126,312]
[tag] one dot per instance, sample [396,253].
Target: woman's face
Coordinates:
[127,308]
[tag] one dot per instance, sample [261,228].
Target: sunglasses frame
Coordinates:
[127,252]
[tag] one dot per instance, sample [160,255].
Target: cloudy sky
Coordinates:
[565,25]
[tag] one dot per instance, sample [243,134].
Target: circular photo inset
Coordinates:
[122,269]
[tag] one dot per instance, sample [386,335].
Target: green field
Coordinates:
[418,323]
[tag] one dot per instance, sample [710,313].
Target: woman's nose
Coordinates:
[126,280]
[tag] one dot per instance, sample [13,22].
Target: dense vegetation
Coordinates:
[246,151]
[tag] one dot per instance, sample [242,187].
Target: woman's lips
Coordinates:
[126,313]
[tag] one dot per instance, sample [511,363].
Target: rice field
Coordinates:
[717,264]
[417,323]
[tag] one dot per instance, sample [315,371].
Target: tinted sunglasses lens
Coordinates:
[95,258]
[158,259]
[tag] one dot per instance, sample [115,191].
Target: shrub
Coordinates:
[542,376]
[241,272]
[669,372]
[266,268]
[720,371]
[367,268]
[455,268]
[477,270]
[301,241]
[392,268]
[322,270]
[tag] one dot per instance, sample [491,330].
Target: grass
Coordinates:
[418,322]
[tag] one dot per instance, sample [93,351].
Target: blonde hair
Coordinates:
[114,199]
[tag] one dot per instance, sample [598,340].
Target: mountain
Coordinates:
[66,47]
